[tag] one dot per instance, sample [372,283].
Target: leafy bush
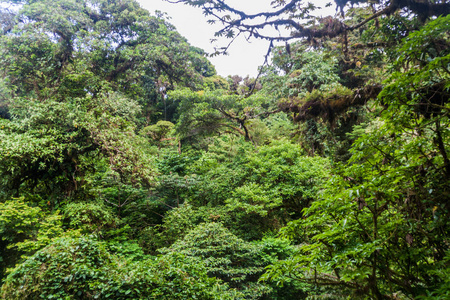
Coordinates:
[90,217]
[83,269]
[261,189]
[23,230]
[226,257]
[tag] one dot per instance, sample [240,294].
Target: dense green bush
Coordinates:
[82,268]
[226,256]
[24,229]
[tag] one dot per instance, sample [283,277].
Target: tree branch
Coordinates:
[286,16]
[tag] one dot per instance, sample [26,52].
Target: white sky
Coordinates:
[244,57]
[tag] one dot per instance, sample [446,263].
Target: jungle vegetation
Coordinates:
[130,170]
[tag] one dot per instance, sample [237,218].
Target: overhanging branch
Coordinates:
[292,15]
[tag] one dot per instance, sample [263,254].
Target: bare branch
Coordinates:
[292,15]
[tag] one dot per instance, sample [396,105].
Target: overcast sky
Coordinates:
[244,57]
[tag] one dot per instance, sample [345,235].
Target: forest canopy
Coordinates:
[130,170]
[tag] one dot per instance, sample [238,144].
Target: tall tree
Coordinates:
[80,77]
[381,228]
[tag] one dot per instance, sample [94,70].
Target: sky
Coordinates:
[244,57]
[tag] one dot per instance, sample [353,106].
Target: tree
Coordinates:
[381,226]
[81,77]
[159,132]
[292,14]
[346,34]
[204,113]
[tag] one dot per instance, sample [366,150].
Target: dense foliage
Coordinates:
[130,170]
